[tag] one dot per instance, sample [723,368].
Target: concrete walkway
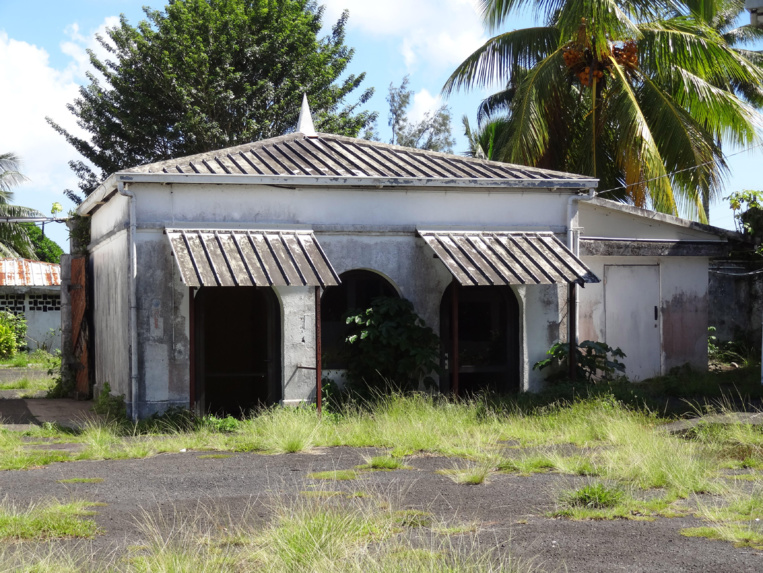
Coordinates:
[22,414]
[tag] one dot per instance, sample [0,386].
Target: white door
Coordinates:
[632,320]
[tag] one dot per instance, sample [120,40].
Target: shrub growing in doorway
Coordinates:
[391,346]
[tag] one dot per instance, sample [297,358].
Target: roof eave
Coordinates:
[98,197]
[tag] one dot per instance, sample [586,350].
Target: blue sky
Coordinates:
[43,60]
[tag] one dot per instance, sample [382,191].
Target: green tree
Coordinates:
[638,94]
[45,249]
[14,240]
[433,132]
[208,74]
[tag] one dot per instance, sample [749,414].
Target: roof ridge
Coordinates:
[349,156]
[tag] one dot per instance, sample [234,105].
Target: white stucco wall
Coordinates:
[231,204]
[601,221]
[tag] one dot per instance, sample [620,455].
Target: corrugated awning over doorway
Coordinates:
[482,258]
[243,257]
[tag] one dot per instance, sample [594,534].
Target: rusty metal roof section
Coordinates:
[479,258]
[27,273]
[324,155]
[225,257]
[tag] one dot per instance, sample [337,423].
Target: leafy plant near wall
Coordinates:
[594,361]
[391,347]
[79,233]
[108,405]
[12,334]
[748,215]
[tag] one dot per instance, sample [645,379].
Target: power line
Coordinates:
[677,172]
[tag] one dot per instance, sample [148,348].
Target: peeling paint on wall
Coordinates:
[684,330]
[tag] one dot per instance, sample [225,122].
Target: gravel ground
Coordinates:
[510,510]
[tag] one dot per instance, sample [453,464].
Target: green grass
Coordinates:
[593,496]
[46,521]
[32,385]
[214,456]
[336,475]
[81,480]
[37,358]
[475,475]
[603,501]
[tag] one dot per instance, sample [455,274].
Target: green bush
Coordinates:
[592,361]
[7,341]
[391,347]
[106,404]
[12,334]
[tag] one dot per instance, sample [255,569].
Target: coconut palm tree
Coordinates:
[639,94]
[14,241]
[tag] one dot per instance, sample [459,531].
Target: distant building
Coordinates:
[33,289]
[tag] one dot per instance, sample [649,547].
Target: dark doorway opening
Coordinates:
[356,291]
[488,340]
[237,349]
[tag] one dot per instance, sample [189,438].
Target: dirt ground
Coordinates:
[510,510]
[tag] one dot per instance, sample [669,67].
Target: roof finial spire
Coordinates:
[305,123]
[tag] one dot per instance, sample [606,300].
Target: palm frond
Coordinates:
[529,140]
[499,57]
[638,152]
[719,111]
[694,46]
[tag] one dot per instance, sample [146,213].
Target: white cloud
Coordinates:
[423,103]
[77,46]
[35,89]
[438,33]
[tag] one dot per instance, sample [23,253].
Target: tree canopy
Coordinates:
[208,74]
[14,240]
[45,249]
[432,132]
[640,94]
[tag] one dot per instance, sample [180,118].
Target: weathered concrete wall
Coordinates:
[111,310]
[403,259]
[111,217]
[186,204]
[297,343]
[541,308]
[163,328]
[736,302]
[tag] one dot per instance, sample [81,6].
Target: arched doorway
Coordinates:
[488,339]
[237,349]
[356,291]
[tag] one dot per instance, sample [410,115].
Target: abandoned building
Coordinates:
[212,275]
[32,289]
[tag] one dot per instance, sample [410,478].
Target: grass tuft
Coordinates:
[46,521]
[383,463]
[81,480]
[336,475]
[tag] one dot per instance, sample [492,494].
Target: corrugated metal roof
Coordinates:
[507,258]
[23,272]
[325,155]
[224,257]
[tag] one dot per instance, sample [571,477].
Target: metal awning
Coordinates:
[242,257]
[477,258]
